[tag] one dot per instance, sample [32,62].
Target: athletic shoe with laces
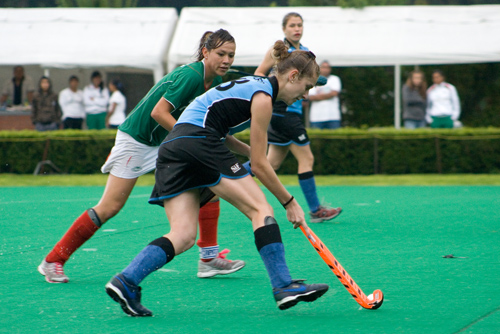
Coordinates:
[53,272]
[323,214]
[219,266]
[128,296]
[296,292]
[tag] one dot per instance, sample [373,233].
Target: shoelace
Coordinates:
[58,269]
[222,254]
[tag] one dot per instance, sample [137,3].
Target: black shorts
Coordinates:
[287,128]
[192,158]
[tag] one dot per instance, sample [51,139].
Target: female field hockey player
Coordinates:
[287,132]
[193,162]
[136,150]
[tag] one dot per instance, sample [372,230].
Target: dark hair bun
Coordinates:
[280,51]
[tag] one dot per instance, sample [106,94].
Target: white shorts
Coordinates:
[130,159]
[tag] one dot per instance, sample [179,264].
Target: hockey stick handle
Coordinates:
[346,280]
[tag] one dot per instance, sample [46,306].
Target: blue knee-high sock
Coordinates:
[154,256]
[308,186]
[272,252]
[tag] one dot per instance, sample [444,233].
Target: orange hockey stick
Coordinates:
[372,302]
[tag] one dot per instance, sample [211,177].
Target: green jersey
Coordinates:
[179,88]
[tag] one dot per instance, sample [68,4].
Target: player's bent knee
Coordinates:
[264,210]
[187,243]
[108,211]
[182,241]
[276,165]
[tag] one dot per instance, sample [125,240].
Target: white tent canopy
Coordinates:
[372,36]
[87,37]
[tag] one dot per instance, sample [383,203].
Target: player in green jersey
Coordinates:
[136,150]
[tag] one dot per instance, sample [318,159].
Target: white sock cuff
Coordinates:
[209,252]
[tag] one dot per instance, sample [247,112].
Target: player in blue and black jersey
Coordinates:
[195,162]
[287,131]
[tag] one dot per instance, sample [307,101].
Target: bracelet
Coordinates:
[288,202]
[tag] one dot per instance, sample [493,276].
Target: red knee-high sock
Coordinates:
[82,230]
[208,219]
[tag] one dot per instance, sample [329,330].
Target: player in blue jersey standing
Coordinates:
[194,163]
[287,131]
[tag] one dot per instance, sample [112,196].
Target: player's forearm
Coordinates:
[266,174]
[237,146]
[162,114]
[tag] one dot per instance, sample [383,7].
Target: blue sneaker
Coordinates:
[296,292]
[128,295]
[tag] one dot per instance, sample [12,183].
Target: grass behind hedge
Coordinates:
[16,180]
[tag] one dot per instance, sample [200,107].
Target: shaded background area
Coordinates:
[368,92]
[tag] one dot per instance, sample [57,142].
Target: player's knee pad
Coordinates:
[267,234]
[269,221]
[94,217]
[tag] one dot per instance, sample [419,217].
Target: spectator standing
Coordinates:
[19,89]
[95,99]
[71,103]
[117,104]
[443,104]
[414,100]
[45,111]
[325,105]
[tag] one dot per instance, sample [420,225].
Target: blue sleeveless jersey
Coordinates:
[296,107]
[225,109]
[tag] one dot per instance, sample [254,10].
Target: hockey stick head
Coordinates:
[375,300]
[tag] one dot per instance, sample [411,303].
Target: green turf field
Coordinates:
[388,237]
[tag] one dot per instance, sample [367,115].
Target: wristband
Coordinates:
[288,202]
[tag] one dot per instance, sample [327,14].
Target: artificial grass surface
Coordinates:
[391,238]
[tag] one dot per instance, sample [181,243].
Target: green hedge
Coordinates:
[79,152]
[346,151]
[349,151]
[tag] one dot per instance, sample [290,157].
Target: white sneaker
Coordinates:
[219,266]
[53,272]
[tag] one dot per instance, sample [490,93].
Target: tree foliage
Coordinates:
[97,3]
[365,3]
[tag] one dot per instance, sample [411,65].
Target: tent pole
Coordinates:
[158,73]
[397,96]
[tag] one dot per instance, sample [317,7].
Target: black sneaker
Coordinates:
[296,292]
[128,295]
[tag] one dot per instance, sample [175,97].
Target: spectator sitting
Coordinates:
[325,105]
[71,103]
[443,104]
[45,112]
[95,99]
[414,100]
[117,104]
[19,89]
